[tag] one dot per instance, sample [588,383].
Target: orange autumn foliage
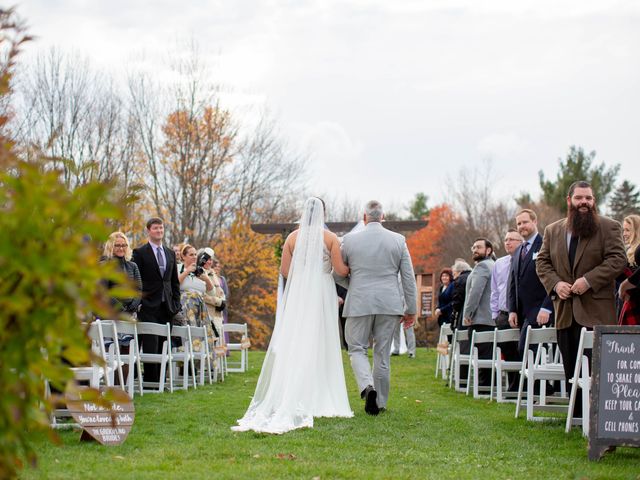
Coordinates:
[426,246]
[251,268]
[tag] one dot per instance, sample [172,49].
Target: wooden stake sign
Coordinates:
[106,426]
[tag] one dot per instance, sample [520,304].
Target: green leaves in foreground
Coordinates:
[50,280]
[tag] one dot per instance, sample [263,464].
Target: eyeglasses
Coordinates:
[120,245]
[511,240]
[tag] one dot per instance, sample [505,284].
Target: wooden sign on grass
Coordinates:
[108,426]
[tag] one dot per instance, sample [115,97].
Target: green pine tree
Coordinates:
[418,209]
[578,166]
[625,200]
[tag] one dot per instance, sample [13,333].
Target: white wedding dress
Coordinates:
[302,375]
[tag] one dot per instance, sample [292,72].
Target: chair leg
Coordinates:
[530,383]
[163,374]
[570,407]
[586,407]
[520,391]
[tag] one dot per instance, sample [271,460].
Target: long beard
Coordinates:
[582,224]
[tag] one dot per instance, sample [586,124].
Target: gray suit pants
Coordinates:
[357,332]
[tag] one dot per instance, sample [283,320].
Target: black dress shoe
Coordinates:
[370,400]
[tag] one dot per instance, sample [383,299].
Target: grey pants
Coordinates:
[357,332]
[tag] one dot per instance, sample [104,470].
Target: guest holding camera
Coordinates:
[118,250]
[194,284]
[214,299]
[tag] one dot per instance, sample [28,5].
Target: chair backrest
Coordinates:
[199,333]
[462,335]
[235,328]
[109,330]
[445,330]
[482,337]
[508,335]
[126,328]
[180,332]
[150,328]
[540,336]
[536,336]
[96,336]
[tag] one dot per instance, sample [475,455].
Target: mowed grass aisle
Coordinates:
[428,432]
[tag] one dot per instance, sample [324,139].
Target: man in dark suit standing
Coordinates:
[160,288]
[529,303]
[580,258]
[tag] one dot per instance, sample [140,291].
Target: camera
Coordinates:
[203,258]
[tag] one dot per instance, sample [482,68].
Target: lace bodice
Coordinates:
[326,260]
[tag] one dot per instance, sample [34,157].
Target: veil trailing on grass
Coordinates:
[302,375]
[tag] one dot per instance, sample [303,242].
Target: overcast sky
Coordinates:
[391,96]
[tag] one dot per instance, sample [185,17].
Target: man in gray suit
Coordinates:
[376,302]
[477,303]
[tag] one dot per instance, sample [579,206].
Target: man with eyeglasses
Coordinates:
[477,302]
[499,290]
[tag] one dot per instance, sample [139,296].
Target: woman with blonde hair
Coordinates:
[629,292]
[117,249]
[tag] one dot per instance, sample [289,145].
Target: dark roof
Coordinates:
[400,226]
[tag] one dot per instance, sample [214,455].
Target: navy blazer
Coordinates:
[154,285]
[527,295]
[445,298]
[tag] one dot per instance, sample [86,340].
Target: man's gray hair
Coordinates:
[460,267]
[374,212]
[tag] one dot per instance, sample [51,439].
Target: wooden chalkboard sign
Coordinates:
[107,426]
[615,390]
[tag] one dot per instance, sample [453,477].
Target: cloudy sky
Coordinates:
[392,96]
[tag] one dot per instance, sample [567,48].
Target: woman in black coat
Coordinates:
[117,250]
[461,271]
[445,296]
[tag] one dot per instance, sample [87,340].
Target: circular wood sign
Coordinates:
[108,426]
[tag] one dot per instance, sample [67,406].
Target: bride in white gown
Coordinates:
[302,375]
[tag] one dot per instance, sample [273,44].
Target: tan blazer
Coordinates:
[600,260]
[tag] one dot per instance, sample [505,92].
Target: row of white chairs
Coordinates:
[208,364]
[186,366]
[542,363]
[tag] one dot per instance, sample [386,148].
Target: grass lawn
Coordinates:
[428,432]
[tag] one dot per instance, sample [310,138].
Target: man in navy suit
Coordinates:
[529,303]
[160,288]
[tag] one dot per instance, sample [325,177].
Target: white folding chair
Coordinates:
[183,355]
[581,379]
[503,367]
[459,359]
[163,359]
[95,374]
[201,354]
[242,346]
[131,359]
[442,357]
[477,363]
[540,367]
[114,359]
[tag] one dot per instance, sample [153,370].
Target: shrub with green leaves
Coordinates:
[49,283]
[50,276]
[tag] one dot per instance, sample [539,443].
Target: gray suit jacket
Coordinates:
[375,257]
[477,302]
